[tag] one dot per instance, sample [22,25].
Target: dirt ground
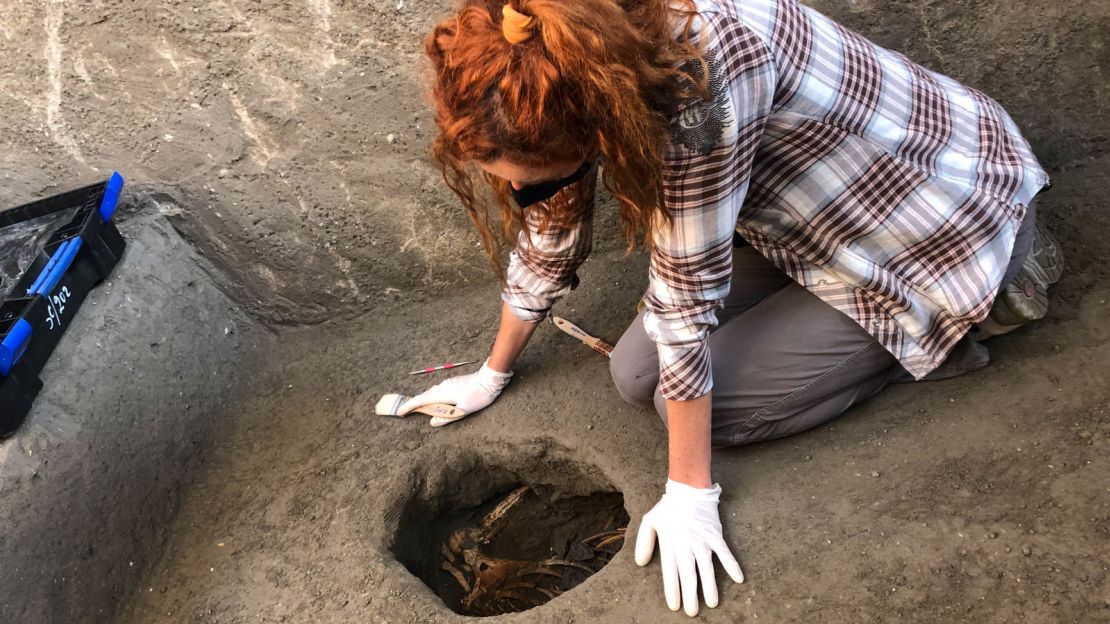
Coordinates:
[287,144]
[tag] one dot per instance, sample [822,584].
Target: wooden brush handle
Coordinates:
[592,342]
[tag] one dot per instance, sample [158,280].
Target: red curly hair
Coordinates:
[596,78]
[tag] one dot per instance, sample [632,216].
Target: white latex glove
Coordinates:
[689,530]
[469,393]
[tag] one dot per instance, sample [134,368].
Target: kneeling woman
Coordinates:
[824,217]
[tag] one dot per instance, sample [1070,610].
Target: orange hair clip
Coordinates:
[516,26]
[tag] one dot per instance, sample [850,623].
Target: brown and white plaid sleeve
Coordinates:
[706,177]
[542,267]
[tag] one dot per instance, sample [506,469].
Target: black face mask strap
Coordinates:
[536,193]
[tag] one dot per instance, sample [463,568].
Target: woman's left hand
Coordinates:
[688,527]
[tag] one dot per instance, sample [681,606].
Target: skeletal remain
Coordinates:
[495,585]
[495,519]
[453,571]
[606,538]
[611,540]
[604,535]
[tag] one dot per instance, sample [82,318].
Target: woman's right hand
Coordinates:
[469,393]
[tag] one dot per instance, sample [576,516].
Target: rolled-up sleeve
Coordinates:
[706,175]
[543,266]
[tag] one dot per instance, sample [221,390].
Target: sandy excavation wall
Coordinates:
[299,129]
[296,129]
[133,398]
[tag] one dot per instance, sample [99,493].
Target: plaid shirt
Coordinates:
[891,192]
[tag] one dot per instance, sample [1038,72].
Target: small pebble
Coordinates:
[993,535]
[806,458]
[1025,550]
[1084,434]
[875,474]
[390,139]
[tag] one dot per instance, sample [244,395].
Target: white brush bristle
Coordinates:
[390,404]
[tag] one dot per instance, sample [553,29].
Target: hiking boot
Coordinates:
[1025,298]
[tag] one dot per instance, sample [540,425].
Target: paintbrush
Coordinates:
[597,344]
[442,414]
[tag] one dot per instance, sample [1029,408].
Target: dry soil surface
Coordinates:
[292,136]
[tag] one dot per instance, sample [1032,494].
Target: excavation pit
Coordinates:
[514,546]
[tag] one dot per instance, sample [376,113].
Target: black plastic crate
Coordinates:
[54,251]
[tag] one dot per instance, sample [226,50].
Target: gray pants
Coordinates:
[783,360]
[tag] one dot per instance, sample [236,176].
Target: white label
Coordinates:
[55,307]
